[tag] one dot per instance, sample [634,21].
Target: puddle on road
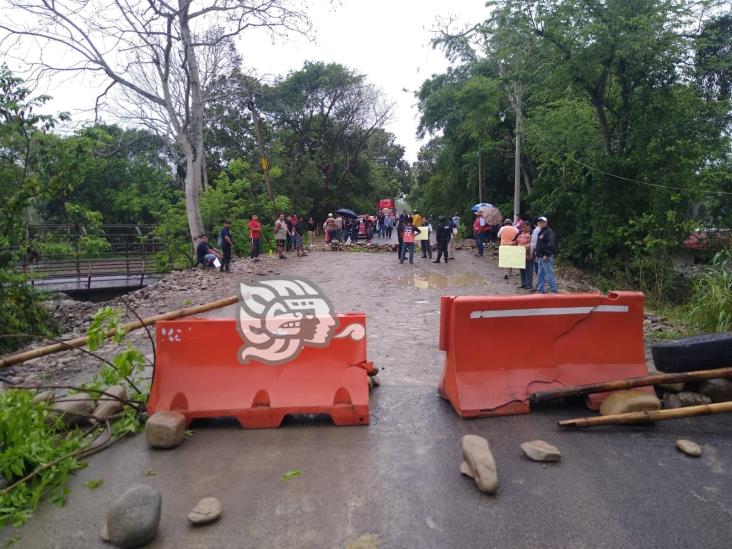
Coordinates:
[424,281]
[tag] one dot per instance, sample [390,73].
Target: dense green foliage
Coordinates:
[28,434]
[711,300]
[322,131]
[626,126]
[36,445]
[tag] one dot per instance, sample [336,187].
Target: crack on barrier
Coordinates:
[572,328]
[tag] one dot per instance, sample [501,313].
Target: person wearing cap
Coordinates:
[507,233]
[546,244]
[331,229]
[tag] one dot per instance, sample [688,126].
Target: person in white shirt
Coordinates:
[426,246]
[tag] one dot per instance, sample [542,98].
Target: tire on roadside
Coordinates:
[691,354]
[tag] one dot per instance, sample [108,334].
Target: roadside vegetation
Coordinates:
[43,441]
[625,124]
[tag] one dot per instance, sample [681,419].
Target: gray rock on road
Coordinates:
[165,429]
[479,463]
[134,518]
[685,399]
[44,396]
[108,406]
[689,448]
[718,389]
[623,402]
[539,450]
[206,511]
[74,408]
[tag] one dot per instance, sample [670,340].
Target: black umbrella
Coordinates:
[347,213]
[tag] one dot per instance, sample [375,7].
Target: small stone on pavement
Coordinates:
[688,447]
[206,511]
[480,464]
[165,429]
[538,450]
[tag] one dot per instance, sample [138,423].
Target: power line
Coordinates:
[598,170]
[642,182]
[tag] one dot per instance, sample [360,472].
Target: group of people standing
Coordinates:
[540,244]
[289,232]
[409,226]
[340,228]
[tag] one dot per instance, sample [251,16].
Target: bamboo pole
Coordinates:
[130,326]
[644,417]
[621,384]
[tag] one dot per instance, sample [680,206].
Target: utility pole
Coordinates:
[517,160]
[480,180]
[260,145]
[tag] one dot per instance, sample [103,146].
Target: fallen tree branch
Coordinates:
[130,326]
[650,416]
[67,345]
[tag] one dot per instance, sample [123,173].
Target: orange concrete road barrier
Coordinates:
[499,349]
[199,374]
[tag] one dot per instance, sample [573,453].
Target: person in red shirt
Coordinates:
[255,233]
[408,232]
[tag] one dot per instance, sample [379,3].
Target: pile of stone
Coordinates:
[478,462]
[83,408]
[360,247]
[133,520]
[680,395]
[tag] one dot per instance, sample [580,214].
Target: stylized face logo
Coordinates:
[278,317]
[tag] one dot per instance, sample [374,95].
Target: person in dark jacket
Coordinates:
[400,234]
[227,244]
[546,247]
[443,235]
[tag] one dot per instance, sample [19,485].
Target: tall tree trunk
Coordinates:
[194,128]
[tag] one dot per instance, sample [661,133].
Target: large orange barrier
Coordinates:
[500,349]
[198,373]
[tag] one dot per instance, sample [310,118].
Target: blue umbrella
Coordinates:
[481,206]
[347,213]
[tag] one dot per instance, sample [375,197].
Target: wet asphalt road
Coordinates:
[396,482]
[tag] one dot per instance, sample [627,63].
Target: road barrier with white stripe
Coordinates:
[500,349]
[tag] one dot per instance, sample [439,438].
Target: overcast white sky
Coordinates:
[388,40]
